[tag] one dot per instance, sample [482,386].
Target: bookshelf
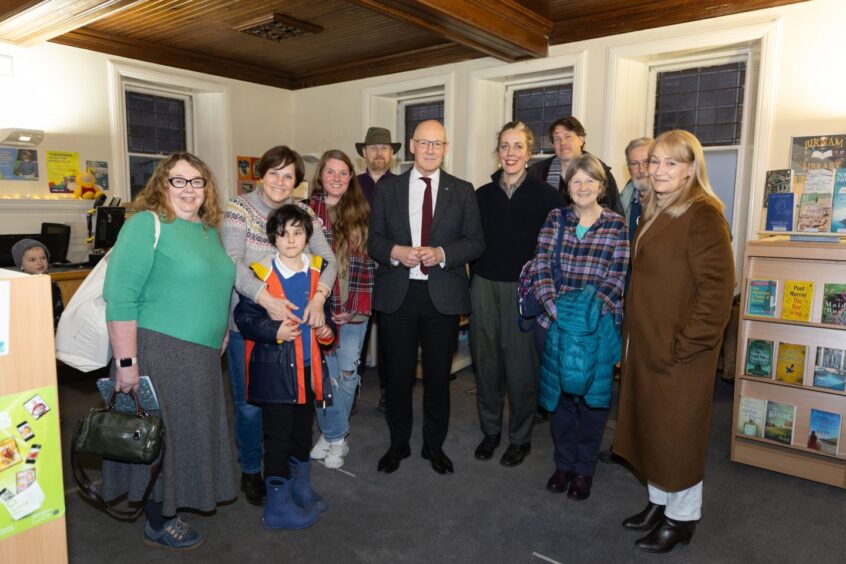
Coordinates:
[780,260]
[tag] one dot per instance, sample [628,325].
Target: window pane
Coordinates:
[140,170]
[707,101]
[539,107]
[155,124]
[414,114]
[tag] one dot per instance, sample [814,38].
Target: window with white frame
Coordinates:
[538,105]
[706,97]
[412,111]
[158,123]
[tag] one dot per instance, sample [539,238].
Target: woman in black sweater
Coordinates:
[513,208]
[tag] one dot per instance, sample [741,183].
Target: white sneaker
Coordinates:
[337,451]
[321,449]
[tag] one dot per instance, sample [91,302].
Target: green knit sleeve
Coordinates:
[129,267]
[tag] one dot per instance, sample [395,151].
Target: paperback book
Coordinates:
[791,363]
[824,431]
[759,358]
[751,414]
[780,212]
[814,213]
[834,304]
[779,422]
[761,300]
[796,302]
[146,395]
[830,369]
[778,181]
[838,205]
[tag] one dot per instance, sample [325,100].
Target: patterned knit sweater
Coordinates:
[244,237]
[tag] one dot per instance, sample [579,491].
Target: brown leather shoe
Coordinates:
[580,487]
[557,483]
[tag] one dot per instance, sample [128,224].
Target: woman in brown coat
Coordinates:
[677,307]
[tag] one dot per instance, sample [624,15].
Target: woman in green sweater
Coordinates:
[167,311]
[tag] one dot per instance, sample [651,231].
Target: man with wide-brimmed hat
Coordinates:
[378,152]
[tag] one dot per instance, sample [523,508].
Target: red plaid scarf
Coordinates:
[359,272]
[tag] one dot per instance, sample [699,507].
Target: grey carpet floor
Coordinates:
[484,512]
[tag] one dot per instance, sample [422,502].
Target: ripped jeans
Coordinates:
[334,421]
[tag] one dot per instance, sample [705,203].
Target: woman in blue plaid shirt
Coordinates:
[594,250]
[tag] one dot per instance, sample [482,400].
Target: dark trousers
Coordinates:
[415,321]
[577,433]
[287,432]
[380,353]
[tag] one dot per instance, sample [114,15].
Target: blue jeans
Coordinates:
[248,427]
[334,421]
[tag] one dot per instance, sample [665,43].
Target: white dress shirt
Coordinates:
[416,189]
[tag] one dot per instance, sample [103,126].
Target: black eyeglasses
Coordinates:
[179,182]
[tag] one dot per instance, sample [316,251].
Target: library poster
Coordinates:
[18,164]
[31,489]
[62,167]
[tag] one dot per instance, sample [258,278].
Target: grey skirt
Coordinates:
[198,465]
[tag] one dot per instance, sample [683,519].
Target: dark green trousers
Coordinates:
[504,359]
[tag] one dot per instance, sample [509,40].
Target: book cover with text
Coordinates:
[778,181]
[838,205]
[761,300]
[751,414]
[779,422]
[834,304]
[796,302]
[780,212]
[824,431]
[791,363]
[759,358]
[830,369]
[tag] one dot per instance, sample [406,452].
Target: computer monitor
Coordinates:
[56,236]
[107,224]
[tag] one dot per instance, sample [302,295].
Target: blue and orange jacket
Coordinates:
[274,370]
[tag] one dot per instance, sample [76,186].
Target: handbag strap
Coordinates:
[87,489]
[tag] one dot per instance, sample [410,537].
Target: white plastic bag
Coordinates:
[82,338]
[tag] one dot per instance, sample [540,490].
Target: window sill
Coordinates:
[44,204]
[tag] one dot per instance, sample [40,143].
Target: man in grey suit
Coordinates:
[424,229]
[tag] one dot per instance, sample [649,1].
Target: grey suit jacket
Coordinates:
[456,227]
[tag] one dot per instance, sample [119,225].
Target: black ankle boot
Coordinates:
[646,519]
[254,488]
[667,535]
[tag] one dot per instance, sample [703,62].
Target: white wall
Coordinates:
[64,91]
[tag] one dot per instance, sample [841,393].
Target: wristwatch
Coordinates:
[127,362]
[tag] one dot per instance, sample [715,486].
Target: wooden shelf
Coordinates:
[781,260]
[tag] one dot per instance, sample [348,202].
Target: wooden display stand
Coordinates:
[31,363]
[781,260]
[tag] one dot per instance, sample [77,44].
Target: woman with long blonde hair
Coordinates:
[677,306]
[338,201]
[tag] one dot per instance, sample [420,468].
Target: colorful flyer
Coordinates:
[244,166]
[62,167]
[101,172]
[31,488]
[18,164]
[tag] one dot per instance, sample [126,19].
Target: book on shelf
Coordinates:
[778,181]
[830,369]
[780,212]
[838,205]
[791,363]
[796,301]
[824,431]
[759,358]
[751,414]
[834,304]
[816,152]
[778,425]
[761,300]
[815,205]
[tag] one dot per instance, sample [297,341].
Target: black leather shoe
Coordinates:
[440,461]
[646,519]
[391,461]
[667,535]
[253,487]
[608,457]
[486,448]
[515,454]
[580,487]
[558,482]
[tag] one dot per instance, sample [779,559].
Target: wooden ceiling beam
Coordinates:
[41,21]
[189,60]
[503,29]
[387,64]
[583,24]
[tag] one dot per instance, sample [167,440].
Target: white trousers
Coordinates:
[684,505]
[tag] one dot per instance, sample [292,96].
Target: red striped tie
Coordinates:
[426,223]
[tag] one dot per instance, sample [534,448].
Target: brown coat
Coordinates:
[678,304]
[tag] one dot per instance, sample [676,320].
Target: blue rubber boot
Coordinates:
[280,511]
[303,494]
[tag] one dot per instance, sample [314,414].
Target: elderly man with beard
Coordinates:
[633,194]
